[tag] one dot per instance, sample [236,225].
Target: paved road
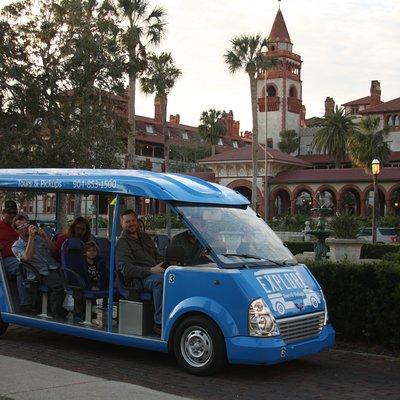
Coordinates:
[331,375]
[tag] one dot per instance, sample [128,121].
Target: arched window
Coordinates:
[293,92]
[396,120]
[271,91]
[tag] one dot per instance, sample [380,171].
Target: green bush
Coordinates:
[290,223]
[102,222]
[153,222]
[364,222]
[299,247]
[345,226]
[378,251]
[390,221]
[363,300]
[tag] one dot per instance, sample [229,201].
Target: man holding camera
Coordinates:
[34,247]
[7,238]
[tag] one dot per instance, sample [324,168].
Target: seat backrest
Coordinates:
[161,242]
[72,258]
[104,249]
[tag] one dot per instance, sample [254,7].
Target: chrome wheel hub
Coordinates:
[196,346]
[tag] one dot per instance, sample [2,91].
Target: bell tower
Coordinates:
[280,86]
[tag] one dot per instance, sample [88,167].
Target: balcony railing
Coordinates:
[294,105]
[273,103]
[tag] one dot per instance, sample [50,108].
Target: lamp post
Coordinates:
[266,183]
[376,169]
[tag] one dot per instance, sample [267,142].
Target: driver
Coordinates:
[194,252]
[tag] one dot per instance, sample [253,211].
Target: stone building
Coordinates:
[296,182]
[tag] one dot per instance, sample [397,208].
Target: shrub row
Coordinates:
[363,300]
[372,251]
[378,251]
[299,247]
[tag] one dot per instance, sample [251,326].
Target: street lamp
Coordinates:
[376,169]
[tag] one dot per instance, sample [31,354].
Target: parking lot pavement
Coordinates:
[332,375]
[26,380]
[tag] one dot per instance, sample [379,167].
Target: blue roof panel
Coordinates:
[167,187]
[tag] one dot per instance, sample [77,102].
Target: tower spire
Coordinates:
[279,32]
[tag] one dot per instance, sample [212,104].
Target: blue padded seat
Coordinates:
[72,268]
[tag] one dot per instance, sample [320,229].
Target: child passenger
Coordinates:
[94,267]
[95,274]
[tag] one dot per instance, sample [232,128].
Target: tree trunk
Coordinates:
[132,123]
[164,102]
[61,212]
[253,91]
[131,162]
[77,205]
[213,149]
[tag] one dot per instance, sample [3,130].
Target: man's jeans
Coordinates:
[11,265]
[154,284]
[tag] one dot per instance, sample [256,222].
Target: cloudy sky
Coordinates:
[344,44]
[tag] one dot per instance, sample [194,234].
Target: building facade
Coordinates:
[297,182]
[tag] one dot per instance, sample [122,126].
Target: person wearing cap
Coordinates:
[7,238]
[34,247]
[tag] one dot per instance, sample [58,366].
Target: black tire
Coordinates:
[199,346]
[3,327]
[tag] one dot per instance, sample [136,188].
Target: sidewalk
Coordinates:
[26,380]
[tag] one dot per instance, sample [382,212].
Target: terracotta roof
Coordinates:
[388,106]
[326,159]
[334,175]
[320,158]
[206,175]
[313,121]
[359,102]
[279,32]
[245,154]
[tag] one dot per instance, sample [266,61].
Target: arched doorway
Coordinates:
[351,202]
[245,191]
[326,199]
[369,202]
[303,202]
[395,201]
[281,203]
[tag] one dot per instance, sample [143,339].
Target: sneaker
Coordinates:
[157,329]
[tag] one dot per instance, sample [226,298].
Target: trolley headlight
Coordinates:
[261,321]
[326,316]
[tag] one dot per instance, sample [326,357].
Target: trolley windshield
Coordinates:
[237,235]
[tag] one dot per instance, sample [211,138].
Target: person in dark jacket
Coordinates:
[95,274]
[137,258]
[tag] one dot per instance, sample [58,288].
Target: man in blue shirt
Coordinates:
[34,247]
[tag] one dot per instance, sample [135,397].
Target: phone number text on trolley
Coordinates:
[94,184]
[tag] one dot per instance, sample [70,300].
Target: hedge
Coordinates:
[372,251]
[377,251]
[300,247]
[363,300]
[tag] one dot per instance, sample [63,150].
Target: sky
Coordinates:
[344,44]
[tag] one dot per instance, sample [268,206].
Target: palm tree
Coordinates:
[245,54]
[368,143]
[144,27]
[212,127]
[332,137]
[160,78]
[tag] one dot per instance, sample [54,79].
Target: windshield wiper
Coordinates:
[258,258]
[243,256]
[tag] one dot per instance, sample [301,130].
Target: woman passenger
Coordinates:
[80,228]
